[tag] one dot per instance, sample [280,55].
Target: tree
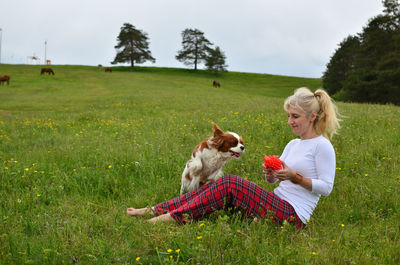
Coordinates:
[195,47]
[374,75]
[133,46]
[341,63]
[215,60]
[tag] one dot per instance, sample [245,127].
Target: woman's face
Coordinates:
[301,124]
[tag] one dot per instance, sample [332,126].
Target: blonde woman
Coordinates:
[308,172]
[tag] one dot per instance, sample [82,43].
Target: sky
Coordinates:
[289,37]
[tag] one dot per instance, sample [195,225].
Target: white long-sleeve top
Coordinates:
[314,159]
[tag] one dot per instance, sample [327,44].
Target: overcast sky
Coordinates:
[292,37]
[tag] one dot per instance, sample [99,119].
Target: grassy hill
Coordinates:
[80,147]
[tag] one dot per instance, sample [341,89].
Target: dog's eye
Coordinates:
[234,143]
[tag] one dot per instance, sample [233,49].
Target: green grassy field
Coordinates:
[80,147]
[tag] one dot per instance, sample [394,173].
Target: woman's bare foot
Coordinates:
[161,218]
[139,212]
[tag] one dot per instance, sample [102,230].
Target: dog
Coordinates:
[208,158]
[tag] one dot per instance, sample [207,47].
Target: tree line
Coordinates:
[133,47]
[366,67]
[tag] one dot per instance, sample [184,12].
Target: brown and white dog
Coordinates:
[209,157]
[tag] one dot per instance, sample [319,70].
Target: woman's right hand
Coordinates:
[269,174]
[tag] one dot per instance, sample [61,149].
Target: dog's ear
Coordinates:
[216,130]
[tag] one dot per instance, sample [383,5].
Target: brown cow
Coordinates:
[47,70]
[108,69]
[5,78]
[216,84]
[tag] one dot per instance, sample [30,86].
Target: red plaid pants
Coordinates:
[229,191]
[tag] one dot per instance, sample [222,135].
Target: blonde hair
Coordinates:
[327,121]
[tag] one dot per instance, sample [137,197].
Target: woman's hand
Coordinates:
[286,173]
[269,174]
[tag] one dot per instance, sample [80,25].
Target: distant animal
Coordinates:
[216,84]
[47,70]
[5,78]
[208,158]
[48,62]
[108,69]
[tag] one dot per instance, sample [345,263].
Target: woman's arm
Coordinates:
[295,177]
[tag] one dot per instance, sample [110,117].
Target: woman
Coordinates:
[308,172]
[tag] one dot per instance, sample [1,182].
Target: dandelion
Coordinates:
[314,253]
[169,250]
[109,166]
[6,168]
[202,224]
[342,225]
[38,195]
[26,169]
[333,240]
[199,237]
[178,250]
[138,258]
[366,175]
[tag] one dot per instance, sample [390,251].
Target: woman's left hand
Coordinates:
[286,173]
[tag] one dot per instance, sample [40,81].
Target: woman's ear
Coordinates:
[313,116]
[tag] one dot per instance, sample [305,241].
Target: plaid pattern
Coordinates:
[230,191]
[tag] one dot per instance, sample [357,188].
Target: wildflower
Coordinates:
[109,166]
[199,237]
[138,258]
[26,169]
[38,195]
[314,253]
[202,224]
[178,250]
[22,176]
[6,168]
[169,250]
[171,257]
[366,175]
[333,240]
[342,225]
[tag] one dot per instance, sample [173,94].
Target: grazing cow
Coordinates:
[5,78]
[47,70]
[108,69]
[216,84]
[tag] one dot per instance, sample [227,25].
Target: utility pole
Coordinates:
[1,33]
[45,52]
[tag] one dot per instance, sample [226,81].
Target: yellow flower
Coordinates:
[202,224]
[333,240]
[26,169]
[366,175]
[199,237]
[178,250]
[6,168]
[171,257]
[138,258]
[314,253]
[342,225]
[169,250]
[109,166]
[38,195]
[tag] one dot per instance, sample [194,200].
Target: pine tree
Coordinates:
[215,60]
[132,47]
[195,47]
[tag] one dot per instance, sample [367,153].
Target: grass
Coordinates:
[80,147]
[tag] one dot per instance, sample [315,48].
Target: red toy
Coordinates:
[273,162]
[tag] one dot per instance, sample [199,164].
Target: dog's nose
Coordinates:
[242,147]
